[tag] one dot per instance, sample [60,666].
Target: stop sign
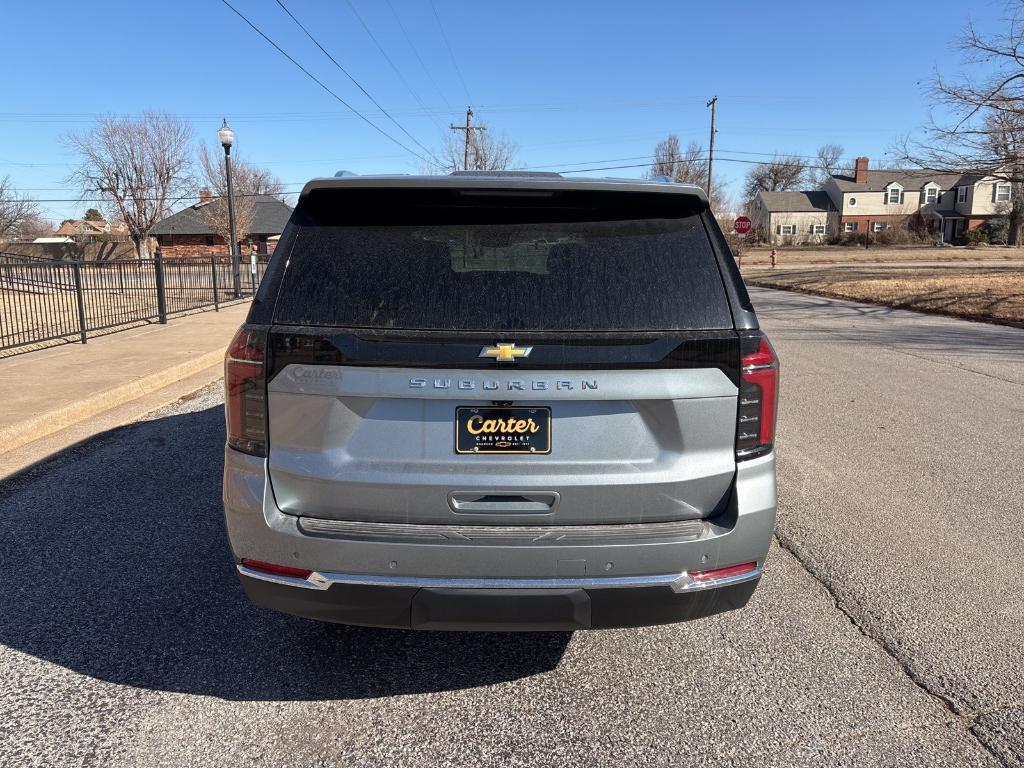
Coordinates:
[741,225]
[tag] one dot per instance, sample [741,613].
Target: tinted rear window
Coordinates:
[490,261]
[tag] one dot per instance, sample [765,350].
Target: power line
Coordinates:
[451,53]
[355,82]
[171,199]
[393,65]
[702,156]
[180,198]
[662,102]
[417,54]
[313,77]
[183,198]
[719,159]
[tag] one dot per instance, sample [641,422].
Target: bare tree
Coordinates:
[248,182]
[686,167]
[213,204]
[488,151]
[138,166]
[828,157]
[266,183]
[15,209]
[689,167]
[782,173]
[33,226]
[982,127]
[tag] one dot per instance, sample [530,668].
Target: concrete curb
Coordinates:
[53,421]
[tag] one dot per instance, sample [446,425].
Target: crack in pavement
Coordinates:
[967,720]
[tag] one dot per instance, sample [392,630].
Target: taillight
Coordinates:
[758,397]
[245,391]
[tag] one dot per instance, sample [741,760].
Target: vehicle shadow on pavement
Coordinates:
[114,563]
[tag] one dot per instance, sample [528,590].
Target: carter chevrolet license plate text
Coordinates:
[502,430]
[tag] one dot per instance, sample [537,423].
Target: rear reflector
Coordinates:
[278,570]
[722,573]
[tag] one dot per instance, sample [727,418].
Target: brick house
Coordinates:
[945,204]
[185,233]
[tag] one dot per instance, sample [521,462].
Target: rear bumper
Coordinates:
[449,577]
[566,606]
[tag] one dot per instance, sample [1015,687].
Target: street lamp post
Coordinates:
[227,138]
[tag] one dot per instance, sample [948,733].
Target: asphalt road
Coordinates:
[888,629]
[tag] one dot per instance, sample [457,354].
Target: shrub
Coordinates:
[998,230]
[975,237]
[738,245]
[890,236]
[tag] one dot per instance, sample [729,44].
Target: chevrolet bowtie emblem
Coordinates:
[505,352]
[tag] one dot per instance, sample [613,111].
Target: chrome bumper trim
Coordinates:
[678,582]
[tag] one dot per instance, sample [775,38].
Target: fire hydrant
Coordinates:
[775,257]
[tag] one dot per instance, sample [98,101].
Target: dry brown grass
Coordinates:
[993,294]
[841,254]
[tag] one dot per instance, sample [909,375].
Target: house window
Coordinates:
[878,226]
[817,229]
[850,226]
[786,229]
[895,194]
[1002,193]
[961,194]
[208,240]
[853,202]
[931,195]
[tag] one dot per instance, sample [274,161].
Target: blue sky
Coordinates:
[575,84]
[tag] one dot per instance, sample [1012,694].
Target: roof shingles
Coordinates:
[878,180]
[269,217]
[797,202]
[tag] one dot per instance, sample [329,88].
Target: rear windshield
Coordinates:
[493,261]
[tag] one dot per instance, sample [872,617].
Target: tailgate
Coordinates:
[379,444]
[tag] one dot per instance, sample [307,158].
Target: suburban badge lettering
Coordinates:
[512,385]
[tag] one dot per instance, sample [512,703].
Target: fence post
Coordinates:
[76,270]
[161,297]
[213,271]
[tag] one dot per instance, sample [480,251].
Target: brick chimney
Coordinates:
[860,170]
[205,195]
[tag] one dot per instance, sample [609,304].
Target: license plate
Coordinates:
[502,430]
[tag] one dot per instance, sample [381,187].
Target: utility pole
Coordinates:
[711,144]
[468,128]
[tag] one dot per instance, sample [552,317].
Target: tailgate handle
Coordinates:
[534,503]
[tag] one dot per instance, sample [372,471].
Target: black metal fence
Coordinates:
[45,301]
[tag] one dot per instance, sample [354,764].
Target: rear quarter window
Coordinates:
[502,261]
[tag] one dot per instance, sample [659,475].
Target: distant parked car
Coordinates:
[500,401]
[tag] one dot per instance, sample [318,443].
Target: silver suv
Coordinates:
[500,401]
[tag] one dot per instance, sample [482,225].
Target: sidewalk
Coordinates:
[49,390]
